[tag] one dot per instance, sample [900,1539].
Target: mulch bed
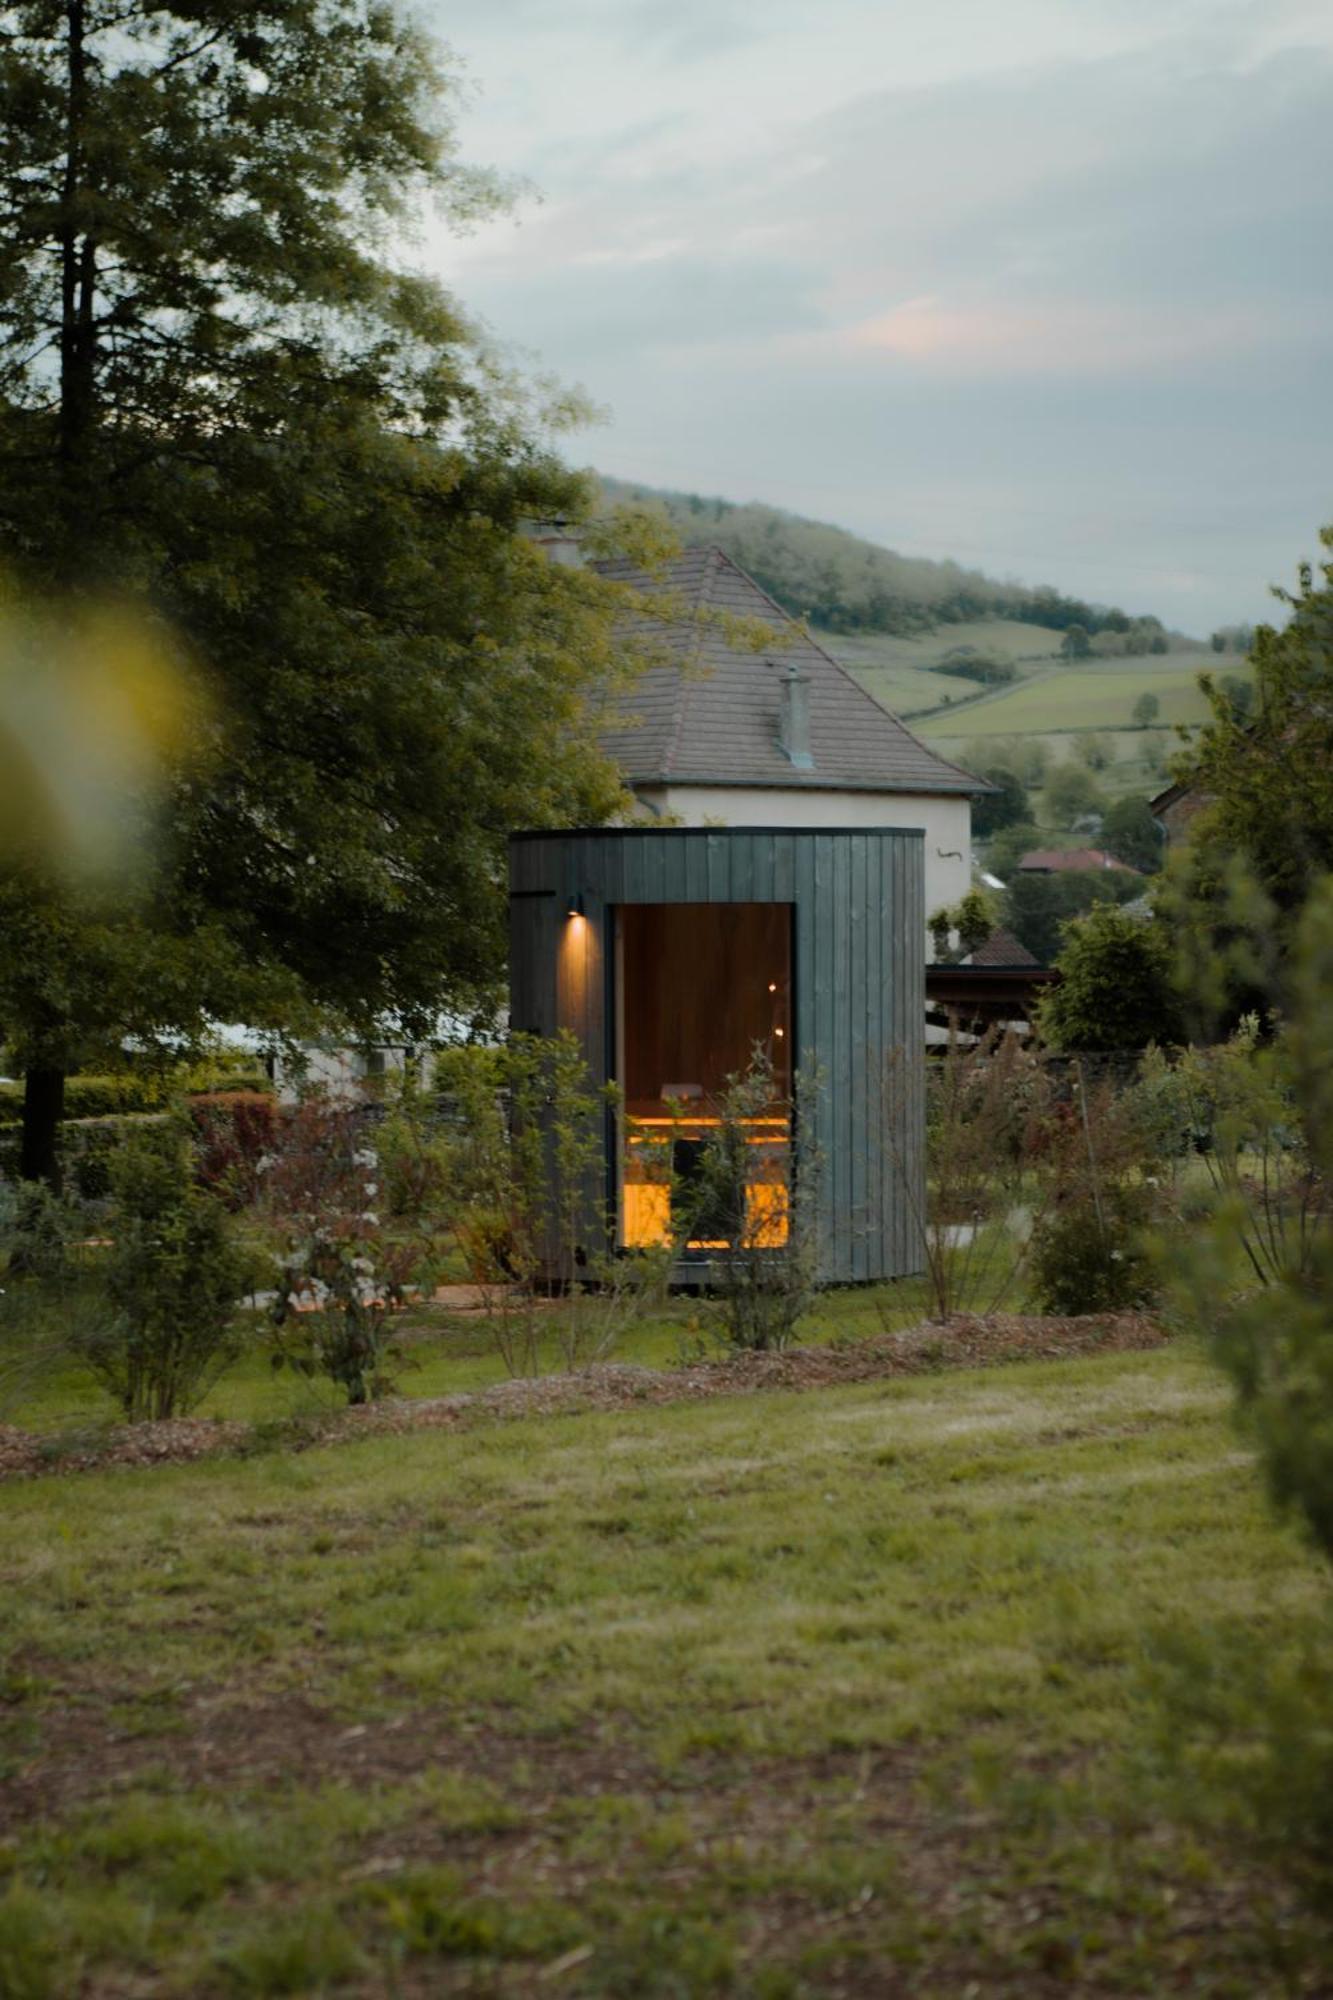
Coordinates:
[965,1342]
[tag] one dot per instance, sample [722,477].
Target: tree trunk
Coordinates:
[43,1109]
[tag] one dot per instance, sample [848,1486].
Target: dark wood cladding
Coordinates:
[859,986]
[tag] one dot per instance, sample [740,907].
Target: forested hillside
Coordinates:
[844,584]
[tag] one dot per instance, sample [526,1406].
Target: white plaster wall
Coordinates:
[945,821]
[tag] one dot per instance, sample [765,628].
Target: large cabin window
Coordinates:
[699,986]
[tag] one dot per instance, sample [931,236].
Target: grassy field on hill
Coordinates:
[1011,638]
[1096,696]
[1051,699]
[898,1689]
[1049,695]
[897,671]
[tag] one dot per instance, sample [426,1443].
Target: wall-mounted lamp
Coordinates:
[574,904]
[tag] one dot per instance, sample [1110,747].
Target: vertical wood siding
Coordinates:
[859,974]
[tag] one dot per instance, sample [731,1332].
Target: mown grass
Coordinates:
[438,1353]
[871,1690]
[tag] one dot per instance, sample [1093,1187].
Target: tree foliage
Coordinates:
[845,584]
[1130,832]
[1036,907]
[1270,1317]
[1235,891]
[1115,989]
[1072,793]
[1007,805]
[218,393]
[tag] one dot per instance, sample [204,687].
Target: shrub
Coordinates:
[1258,1278]
[1089,1257]
[988,1106]
[41,1228]
[413,1149]
[127,1091]
[341,1277]
[236,1133]
[1115,989]
[1090,1246]
[173,1276]
[526,1169]
[763,1287]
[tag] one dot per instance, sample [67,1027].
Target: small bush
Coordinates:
[415,1155]
[988,1111]
[1088,1257]
[341,1278]
[41,1228]
[173,1275]
[236,1132]
[764,1280]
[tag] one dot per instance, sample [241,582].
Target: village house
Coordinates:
[713,733]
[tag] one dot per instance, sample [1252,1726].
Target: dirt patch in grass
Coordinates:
[855,1871]
[965,1342]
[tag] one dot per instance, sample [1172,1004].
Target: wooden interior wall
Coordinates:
[704,984]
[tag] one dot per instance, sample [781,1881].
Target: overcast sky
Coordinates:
[1042,285]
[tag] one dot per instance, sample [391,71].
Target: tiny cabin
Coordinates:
[671,953]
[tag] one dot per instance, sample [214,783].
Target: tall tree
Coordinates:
[219,392]
[1256,851]
[1115,988]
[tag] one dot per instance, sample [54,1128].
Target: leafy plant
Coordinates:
[413,1153]
[1270,1321]
[527,1168]
[1115,989]
[174,1274]
[341,1277]
[1089,1248]
[236,1134]
[987,1107]
[764,1237]
[1234,1111]
[1090,1257]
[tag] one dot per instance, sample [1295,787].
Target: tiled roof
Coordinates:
[707,712]
[1002,949]
[1071,861]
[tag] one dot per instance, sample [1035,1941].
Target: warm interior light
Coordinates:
[779,1032]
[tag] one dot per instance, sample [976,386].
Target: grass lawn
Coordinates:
[440,1353]
[870,1690]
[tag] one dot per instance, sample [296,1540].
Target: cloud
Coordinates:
[920,268]
[1053,337]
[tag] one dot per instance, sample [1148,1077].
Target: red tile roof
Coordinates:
[1071,861]
[1002,949]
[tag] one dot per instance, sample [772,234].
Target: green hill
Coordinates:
[846,585]
[964,658]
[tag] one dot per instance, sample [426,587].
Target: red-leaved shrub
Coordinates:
[235,1132]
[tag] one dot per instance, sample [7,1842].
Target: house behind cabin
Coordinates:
[715,733]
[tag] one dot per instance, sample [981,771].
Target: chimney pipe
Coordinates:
[559,540]
[794,718]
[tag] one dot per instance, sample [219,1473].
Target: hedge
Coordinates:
[113,1096]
